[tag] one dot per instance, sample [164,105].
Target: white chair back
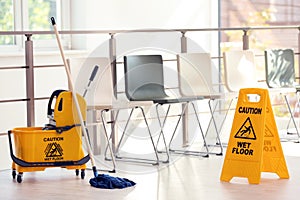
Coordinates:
[239,68]
[195,74]
[100,92]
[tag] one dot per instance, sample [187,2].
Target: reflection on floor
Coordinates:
[186,177]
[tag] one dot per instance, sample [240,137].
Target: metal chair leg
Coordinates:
[132,159]
[186,152]
[162,124]
[297,105]
[200,127]
[219,142]
[180,116]
[122,137]
[113,123]
[223,121]
[107,140]
[161,134]
[292,118]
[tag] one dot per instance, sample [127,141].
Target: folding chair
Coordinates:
[280,76]
[144,81]
[195,80]
[239,72]
[102,98]
[81,68]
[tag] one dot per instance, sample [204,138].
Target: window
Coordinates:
[31,15]
[6,21]
[39,13]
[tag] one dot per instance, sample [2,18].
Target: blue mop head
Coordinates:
[108,182]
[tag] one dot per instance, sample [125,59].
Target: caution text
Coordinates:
[250,110]
[51,139]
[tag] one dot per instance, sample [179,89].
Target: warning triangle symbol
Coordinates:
[246,131]
[54,150]
[268,133]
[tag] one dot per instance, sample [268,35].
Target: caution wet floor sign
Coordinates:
[254,144]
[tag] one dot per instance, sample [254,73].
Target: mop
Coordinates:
[99,180]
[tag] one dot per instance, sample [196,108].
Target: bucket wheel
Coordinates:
[82,174]
[20,177]
[14,174]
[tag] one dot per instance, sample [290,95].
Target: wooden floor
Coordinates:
[187,177]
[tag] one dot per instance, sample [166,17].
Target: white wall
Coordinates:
[99,15]
[138,14]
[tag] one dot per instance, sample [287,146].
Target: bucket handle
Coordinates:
[53,95]
[24,163]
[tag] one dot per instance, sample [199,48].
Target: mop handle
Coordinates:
[67,68]
[94,72]
[74,97]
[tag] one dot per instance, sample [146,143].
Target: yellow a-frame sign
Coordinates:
[254,145]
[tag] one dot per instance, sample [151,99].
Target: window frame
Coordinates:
[20,13]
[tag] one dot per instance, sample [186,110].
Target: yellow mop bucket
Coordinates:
[56,145]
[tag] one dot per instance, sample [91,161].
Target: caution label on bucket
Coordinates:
[254,144]
[51,139]
[53,152]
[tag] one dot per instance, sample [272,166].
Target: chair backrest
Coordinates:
[144,78]
[280,71]
[101,89]
[195,74]
[239,70]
